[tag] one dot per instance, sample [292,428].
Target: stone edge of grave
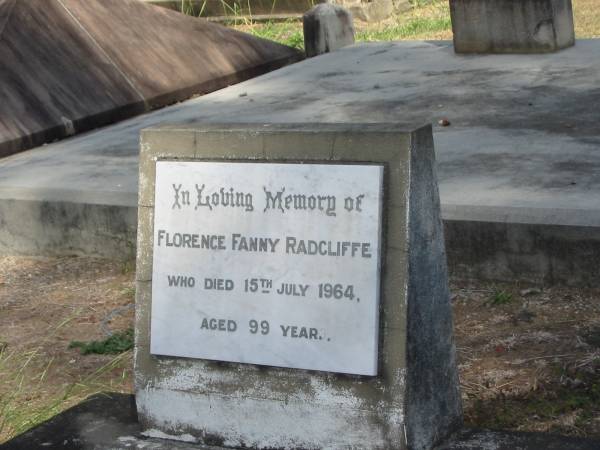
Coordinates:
[531,245]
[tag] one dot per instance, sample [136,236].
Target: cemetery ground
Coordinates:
[529,355]
[427,20]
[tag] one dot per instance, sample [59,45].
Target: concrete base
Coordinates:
[517,166]
[109,421]
[512,26]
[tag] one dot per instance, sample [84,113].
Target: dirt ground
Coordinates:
[529,355]
[45,304]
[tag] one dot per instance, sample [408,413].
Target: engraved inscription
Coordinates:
[266,263]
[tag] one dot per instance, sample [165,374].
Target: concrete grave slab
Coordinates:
[406,397]
[517,165]
[75,65]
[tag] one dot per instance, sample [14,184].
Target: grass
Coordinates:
[398,31]
[574,403]
[29,391]
[426,21]
[430,21]
[19,411]
[288,32]
[500,297]
[117,343]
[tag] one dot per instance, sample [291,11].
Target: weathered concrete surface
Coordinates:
[327,27]
[75,65]
[108,421]
[512,26]
[414,400]
[517,167]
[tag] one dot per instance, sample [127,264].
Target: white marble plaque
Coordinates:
[268,263]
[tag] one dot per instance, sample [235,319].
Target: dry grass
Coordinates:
[532,363]
[529,358]
[587,18]
[45,304]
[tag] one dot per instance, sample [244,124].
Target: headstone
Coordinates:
[292,288]
[327,27]
[512,26]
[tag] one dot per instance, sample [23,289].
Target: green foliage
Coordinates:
[190,8]
[406,30]
[25,371]
[117,343]
[500,297]
[288,32]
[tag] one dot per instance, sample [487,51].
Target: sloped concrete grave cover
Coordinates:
[242,344]
[74,65]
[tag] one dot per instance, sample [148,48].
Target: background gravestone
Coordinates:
[239,383]
[511,26]
[327,27]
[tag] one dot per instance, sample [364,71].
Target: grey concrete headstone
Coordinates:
[327,27]
[413,400]
[512,26]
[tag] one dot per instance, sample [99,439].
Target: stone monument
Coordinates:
[292,288]
[512,26]
[327,27]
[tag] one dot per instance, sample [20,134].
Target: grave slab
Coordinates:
[108,421]
[517,165]
[74,65]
